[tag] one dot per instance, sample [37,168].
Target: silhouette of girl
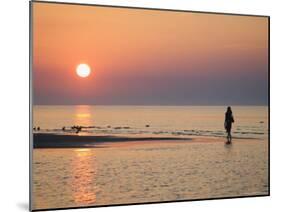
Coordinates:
[228,123]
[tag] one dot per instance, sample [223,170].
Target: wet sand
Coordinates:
[149,171]
[48,140]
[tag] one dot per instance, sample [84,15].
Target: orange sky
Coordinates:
[151,46]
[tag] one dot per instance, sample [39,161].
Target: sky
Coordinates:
[147,57]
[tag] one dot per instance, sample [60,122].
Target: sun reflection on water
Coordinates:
[84,177]
[83,115]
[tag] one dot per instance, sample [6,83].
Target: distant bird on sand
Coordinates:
[77,128]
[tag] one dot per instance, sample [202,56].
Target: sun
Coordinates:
[83,70]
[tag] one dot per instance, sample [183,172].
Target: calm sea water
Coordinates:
[129,172]
[250,121]
[149,172]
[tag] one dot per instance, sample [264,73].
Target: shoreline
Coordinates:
[46,140]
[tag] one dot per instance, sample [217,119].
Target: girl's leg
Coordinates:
[228,137]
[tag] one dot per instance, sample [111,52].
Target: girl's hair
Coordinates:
[229,110]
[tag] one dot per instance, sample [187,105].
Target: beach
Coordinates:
[86,155]
[135,171]
[135,106]
[44,140]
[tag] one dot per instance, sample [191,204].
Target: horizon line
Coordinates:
[150,105]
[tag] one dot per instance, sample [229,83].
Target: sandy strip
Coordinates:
[44,140]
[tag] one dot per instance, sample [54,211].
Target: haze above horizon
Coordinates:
[147,57]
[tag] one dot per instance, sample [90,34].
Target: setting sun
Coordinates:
[83,70]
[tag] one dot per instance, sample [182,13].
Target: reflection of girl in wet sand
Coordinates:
[228,124]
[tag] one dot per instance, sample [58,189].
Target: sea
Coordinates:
[182,121]
[145,172]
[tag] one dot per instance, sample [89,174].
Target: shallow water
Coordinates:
[148,172]
[183,121]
